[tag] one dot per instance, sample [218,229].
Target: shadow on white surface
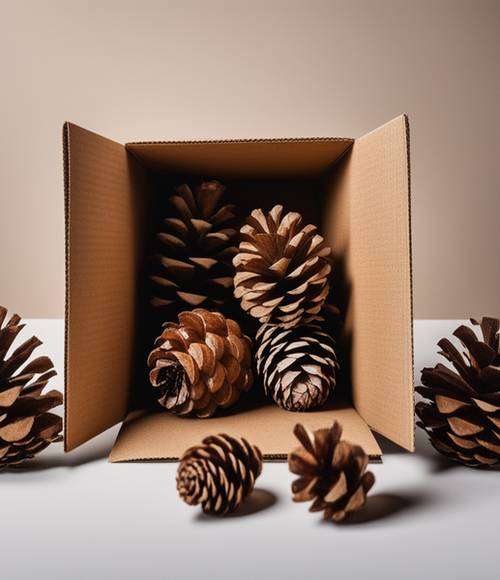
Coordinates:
[381,506]
[259,500]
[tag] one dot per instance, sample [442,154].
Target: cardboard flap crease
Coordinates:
[364,212]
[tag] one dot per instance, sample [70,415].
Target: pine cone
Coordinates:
[201,363]
[296,366]
[195,267]
[26,426]
[219,474]
[462,415]
[281,268]
[331,472]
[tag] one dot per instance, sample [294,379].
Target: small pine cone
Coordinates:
[296,366]
[331,472]
[219,474]
[26,426]
[195,262]
[201,363]
[461,414]
[282,268]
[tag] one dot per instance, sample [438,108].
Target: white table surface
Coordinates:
[76,516]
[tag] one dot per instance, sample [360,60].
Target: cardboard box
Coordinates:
[356,190]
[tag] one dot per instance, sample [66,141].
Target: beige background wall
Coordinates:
[160,69]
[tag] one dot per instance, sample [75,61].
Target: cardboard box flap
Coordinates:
[249,158]
[165,436]
[103,187]
[375,175]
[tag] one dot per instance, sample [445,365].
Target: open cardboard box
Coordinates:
[356,190]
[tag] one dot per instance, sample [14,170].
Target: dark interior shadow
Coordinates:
[388,447]
[259,500]
[381,506]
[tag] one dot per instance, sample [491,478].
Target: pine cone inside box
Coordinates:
[296,366]
[332,473]
[201,363]
[462,411]
[194,267]
[282,268]
[26,425]
[219,474]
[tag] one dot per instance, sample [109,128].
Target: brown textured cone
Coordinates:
[332,473]
[26,425]
[282,268]
[218,474]
[461,413]
[194,266]
[200,364]
[296,366]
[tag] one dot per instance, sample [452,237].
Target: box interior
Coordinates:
[317,177]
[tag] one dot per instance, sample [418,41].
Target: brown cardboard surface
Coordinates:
[374,178]
[103,186]
[253,158]
[363,212]
[165,436]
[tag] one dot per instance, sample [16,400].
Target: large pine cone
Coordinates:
[331,472]
[296,366]
[462,412]
[195,267]
[219,474]
[282,268]
[26,426]
[202,363]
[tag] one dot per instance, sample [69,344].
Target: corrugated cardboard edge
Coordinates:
[410,258]
[410,232]
[249,140]
[269,458]
[66,170]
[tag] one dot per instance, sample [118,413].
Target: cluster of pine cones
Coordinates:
[221,472]
[279,272]
[278,268]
